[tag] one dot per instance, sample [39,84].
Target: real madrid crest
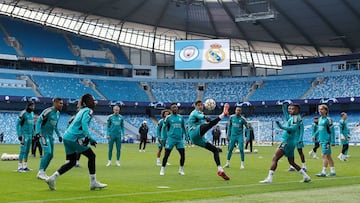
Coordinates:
[215,54]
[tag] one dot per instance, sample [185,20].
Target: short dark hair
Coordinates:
[198,101]
[296,105]
[57,99]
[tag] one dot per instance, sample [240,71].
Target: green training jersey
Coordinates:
[344,131]
[47,123]
[79,127]
[25,124]
[196,118]
[326,130]
[174,126]
[115,126]
[236,126]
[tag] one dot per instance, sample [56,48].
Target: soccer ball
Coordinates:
[210,104]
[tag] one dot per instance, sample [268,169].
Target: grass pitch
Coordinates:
[138,179]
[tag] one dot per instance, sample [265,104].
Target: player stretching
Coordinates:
[287,145]
[345,137]
[174,131]
[45,127]
[161,142]
[235,134]
[315,138]
[115,130]
[327,139]
[25,132]
[76,139]
[300,133]
[197,129]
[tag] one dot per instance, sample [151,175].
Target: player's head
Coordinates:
[238,111]
[144,123]
[294,109]
[165,113]
[116,110]
[174,108]
[58,103]
[30,106]
[87,100]
[316,120]
[199,105]
[323,109]
[343,115]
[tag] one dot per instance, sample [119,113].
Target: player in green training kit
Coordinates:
[25,132]
[344,137]
[159,128]
[235,134]
[197,129]
[174,131]
[326,140]
[115,130]
[315,138]
[76,139]
[288,144]
[45,127]
[300,134]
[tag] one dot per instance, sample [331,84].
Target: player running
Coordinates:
[76,140]
[197,129]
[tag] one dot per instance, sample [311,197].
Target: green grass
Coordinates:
[138,179]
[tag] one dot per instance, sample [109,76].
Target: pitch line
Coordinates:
[174,191]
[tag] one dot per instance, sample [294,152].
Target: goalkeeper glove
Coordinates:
[93,143]
[86,141]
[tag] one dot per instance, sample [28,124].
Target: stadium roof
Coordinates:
[318,24]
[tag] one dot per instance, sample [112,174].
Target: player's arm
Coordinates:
[122,126]
[291,128]
[184,131]
[85,121]
[58,132]
[164,130]
[158,129]
[228,133]
[39,122]
[18,123]
[108,126]
[301,131]
[285,111]
[332,132]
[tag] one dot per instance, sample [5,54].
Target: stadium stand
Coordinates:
[53,44]
[71,87]
[282,89]
[121,90]
[174,91]
[337,86]
[227,91]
